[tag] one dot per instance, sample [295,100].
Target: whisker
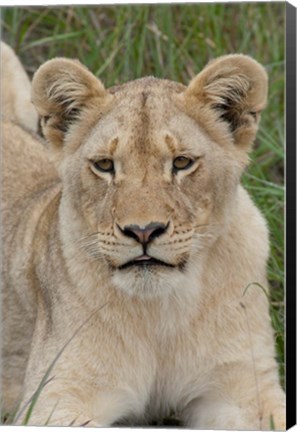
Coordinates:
[95,234]
[211,225]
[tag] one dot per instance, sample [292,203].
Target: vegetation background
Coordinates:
[124,42]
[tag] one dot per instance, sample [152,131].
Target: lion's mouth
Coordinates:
[145,261]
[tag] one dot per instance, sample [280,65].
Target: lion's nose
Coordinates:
[144,234]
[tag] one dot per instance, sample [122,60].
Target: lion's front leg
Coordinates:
[56,413]
[239,400]
[56,405]
[75,406]
[74,395]
[217,414]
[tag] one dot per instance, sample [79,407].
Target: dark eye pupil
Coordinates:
[105,165]
[182,162]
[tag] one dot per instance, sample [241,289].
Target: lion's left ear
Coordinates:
[235,88]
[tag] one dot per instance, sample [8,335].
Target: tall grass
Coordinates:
[120,43]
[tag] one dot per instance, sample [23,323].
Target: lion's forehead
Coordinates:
[144,84]
[147,122]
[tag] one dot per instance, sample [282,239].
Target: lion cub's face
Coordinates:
[150,168]
[147,180]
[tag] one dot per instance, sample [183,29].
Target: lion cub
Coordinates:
[133,256]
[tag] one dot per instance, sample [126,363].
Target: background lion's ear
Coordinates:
[235,88]
[61,89]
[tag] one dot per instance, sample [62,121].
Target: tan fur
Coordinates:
[195,337]
[15,91]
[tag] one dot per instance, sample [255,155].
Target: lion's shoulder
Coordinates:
[15,85]
[25,173]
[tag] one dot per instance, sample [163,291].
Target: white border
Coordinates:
[118,2]
[109,2]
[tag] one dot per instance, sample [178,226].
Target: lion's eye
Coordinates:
[104,165]
[181,163]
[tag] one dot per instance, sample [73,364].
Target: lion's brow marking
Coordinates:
[144,98]
[170,143]
[113,146]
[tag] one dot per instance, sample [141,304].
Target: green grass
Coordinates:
[125,42]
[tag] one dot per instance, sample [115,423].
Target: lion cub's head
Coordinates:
[149,168]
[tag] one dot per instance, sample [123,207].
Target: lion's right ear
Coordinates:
[61,90]
[231,89]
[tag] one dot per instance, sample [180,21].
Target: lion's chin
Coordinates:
[149,281]
[151,264]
